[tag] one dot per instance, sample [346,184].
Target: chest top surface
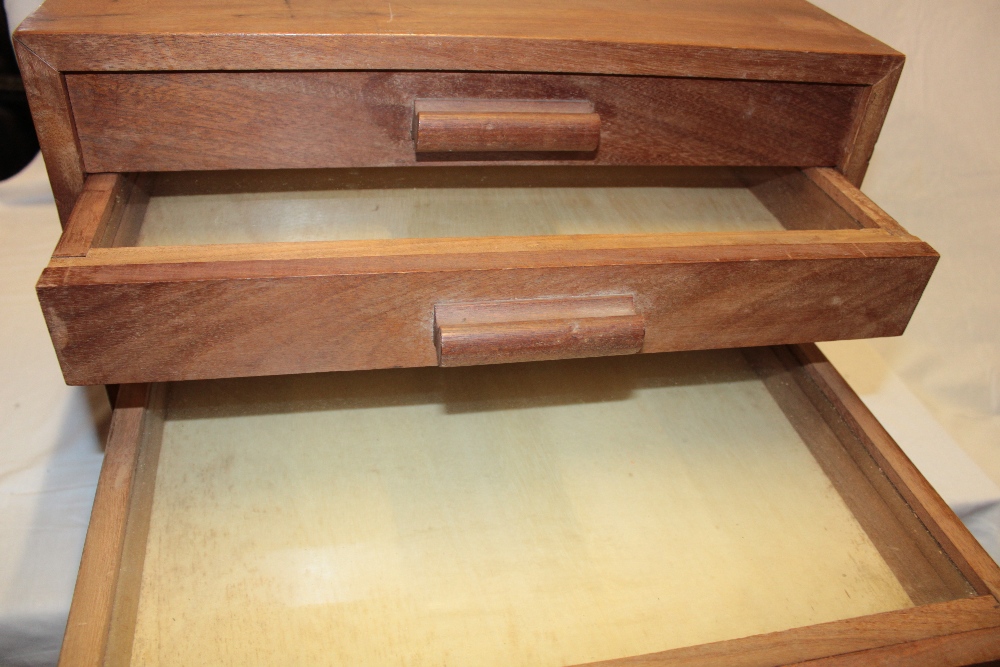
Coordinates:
[756,39]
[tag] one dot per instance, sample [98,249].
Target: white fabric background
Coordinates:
[936,169]
[50,439]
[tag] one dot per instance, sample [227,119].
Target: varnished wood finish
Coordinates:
[872,108]
[443,132]
[123,229]
[117,323]
[806,244]
[123,315]
[766,39]
[50,110]
[137,423]
[797,203]
[265,120]
[99,203]
[895,632]
[976,647]
[853,201]
[533,330]
[133,545]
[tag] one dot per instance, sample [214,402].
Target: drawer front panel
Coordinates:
[120,324]
[262,120]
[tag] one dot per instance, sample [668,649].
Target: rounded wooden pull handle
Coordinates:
[494,332]
[486,126]
[503,132]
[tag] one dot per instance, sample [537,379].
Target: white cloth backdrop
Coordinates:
[936,168]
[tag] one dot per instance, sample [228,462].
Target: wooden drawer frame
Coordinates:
[958,632]
[151,314]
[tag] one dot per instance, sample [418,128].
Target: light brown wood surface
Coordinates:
[216,319]
[98,205]
[852,641]
[468,132]
[852,201]
[766,39]
[163,313]
[50,111]
[136,424]
[202,121]
[270,120]
[976,647]
[872,108]
[491,332]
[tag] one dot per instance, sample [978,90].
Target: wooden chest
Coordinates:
[276,188]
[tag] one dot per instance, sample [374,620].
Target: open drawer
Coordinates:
[736,507]
[194,275]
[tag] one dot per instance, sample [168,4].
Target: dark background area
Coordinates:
[18,143]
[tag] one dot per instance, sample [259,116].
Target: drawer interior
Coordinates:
[198,208]
[531,514]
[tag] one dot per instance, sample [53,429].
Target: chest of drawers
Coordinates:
[647,109]
[277,188]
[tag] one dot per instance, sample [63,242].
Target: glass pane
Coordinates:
[199,208]
[529,514]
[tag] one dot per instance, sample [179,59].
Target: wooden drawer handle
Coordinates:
[478,126]
[493,332]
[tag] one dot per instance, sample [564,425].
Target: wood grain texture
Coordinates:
[890,630]
[493,332]
[767,39]
[251,120]
[123,229]
[589,248]
[797,202]
[101,201]
[872,108]
[977,647]
[50,110]
[161,313]
[538,340]
[532,310]
[133,550]
[853,201]
[947,528]
[443,132]
[90,613]
[222,319]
